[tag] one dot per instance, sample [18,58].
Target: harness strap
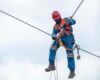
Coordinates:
[75,47]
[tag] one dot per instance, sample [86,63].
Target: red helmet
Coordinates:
[56,15]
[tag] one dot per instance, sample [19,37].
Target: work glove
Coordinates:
[54,37]
[70,17]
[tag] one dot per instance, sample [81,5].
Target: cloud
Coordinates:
[24,51]
[15,70]
[11,69]
[21,41]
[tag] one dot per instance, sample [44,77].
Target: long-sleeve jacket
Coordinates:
[65,24]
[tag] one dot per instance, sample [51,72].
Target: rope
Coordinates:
[55,75]
[50,75]
[56,71]
[56,67]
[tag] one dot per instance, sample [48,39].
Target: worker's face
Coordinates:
[58,21]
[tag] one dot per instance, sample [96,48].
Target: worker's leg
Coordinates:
[71,61]
[52,55]
[68,41]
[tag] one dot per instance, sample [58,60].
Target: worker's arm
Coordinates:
[70,21]
[54,33]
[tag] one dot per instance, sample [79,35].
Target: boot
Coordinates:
[71,75]
[50,68]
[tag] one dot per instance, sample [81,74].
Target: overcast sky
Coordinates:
[24,51]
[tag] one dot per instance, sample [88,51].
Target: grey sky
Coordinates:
[23,48]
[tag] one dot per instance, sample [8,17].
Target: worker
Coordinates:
[63,29]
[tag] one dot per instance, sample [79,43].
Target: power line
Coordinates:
[42,30]
[77,8]
[89,53]
[24,22]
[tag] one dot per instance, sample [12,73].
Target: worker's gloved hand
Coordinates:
[54,37]
[70,17]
